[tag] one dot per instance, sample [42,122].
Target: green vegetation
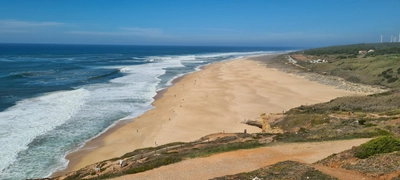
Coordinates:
[282,170]
[154,163]
[380,49]
[140,151]
[391,112]
[387,103]
[146,159]
[206,151]
[368,70]
[342,118]
[381,67]
[299,120]
[384,144]
[377,166]
[330,132]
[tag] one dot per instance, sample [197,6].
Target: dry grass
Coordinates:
[300,57]
[379,166]
[149,158]
[282,170]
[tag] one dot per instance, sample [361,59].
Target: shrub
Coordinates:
[392,79]
[354,79]
[384,144]
[207,151]
[370,125]
[154,164]
[391,112]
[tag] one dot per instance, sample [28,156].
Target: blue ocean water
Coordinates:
[54,98]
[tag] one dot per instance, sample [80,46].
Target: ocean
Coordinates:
[54,98]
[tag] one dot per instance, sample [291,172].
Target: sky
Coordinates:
[294,23]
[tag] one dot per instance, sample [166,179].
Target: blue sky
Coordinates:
[305,23]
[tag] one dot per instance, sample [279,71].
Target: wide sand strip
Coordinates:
[215,99]
[247,160]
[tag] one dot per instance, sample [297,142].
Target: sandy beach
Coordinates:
[216,99]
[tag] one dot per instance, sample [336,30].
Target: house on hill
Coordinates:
[318,61]
[362,52]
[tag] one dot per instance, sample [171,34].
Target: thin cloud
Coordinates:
[142,31]
[14,24]
[295,35]
[222,30]
[126,31]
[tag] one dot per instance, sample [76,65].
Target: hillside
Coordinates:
[353,49]
[380,66]
[377,159]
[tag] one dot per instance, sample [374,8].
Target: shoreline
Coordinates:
[75,156]
[117,135]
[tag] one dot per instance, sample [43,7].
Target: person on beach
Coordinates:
[120,162]
[97,169]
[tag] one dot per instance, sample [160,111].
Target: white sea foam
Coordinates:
[200,58]
[123,69]
[30,118]
[174,58]
[136,58]
[195,62]
[120,98]
[5,60]
[230,54]
[90,109]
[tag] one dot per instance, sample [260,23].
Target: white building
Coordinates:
[318,61]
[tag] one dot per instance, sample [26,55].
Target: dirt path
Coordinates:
[246,160]
[341,173]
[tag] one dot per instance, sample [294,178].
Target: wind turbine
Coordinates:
[382,37]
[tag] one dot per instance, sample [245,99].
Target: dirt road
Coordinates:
[246,160]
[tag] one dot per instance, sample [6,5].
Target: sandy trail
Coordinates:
[342,173]
[215,99]
[249,160]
